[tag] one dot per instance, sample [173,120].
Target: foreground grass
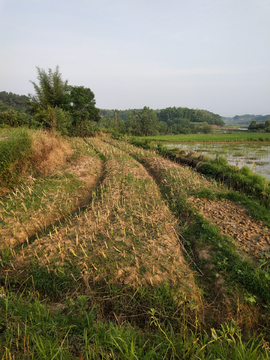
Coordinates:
[229,137]
[35,329]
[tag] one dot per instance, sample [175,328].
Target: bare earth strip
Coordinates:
[253,237]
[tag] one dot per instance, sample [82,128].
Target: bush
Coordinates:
[13,156]
[14,118]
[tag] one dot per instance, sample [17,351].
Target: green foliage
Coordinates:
[254,126]
[13,155]
[68,109]
[169,115]
[142,122]
[80,104]
[31,328]
[243,180]
[14,118]
[53,118]
[50,91]
[148,122]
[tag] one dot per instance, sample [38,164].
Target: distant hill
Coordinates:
[18,102]
[245,119]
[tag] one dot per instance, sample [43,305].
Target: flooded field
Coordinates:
[254,155]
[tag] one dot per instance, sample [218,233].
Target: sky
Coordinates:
[201,54]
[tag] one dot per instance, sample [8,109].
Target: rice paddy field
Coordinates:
[229,136]
[255,155]
[116,252]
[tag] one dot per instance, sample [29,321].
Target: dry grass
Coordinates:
[188,180]
[178,183]
[125,237]
[49,152]
[31,208]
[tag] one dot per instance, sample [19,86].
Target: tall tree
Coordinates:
[51,89]
[48,99]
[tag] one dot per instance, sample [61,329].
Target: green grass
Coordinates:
[234,136]
[13,156]
[32,328]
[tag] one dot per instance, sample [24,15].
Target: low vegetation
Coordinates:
[243,180]
[226,137]
[105,255]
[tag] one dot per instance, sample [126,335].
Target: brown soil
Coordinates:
[252,237]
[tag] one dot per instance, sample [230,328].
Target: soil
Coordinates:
[252,237]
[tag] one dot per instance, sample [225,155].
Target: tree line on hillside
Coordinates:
[71,110]
[8,99]
[171,120]
[245,119]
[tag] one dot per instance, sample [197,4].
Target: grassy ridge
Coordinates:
[176,184]
[244,180]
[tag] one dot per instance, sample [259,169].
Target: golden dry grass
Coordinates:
[126,236]
[31,208]
[49,151]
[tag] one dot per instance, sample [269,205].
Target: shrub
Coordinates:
[14,118]
[13,156]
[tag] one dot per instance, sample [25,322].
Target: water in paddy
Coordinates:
[254,155]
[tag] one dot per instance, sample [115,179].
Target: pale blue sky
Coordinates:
[206,54]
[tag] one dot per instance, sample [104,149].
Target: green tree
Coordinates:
[50,91]
[149,121]
[206,128]
[253,125]
[14,118]
[143,122]
[267,126]
[49,97]
[80,103]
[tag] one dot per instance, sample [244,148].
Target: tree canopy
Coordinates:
[57,105]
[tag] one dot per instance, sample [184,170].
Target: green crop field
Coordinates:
[234,136]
